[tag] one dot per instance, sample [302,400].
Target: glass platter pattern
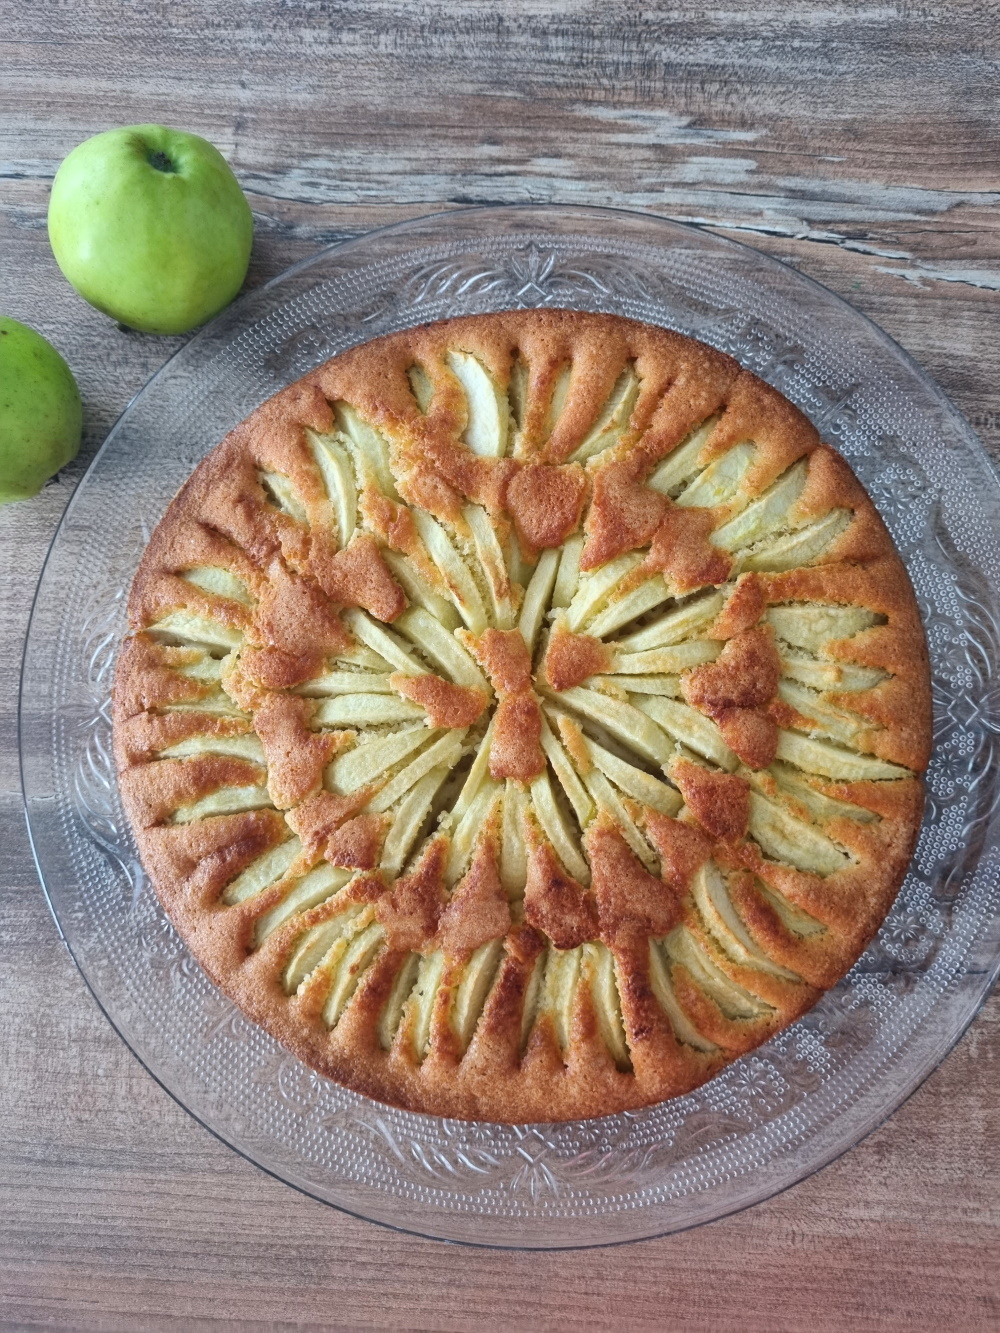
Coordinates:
[775,1115]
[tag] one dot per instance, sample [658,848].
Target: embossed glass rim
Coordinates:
[774,1116]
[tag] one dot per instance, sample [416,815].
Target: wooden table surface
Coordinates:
[856,142]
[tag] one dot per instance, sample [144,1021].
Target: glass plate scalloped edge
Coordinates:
[775,1115]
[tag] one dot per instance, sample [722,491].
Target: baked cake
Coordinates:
[522,715]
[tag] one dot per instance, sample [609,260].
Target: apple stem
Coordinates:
[161,162]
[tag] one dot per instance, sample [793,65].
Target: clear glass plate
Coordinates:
[775,1115]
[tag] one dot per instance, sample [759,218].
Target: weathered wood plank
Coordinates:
[857,142]
[859,125]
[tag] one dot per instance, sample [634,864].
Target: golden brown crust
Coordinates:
[504,657]
[738,689]
[295,755]
[744,675]
[357,576]
[511,532]
[317,819]
[515,750]
[447,705]
[554,903]
[720,802]
[743,609]
[631,903]
[478,910]
[571,658]
[356,844]
[410,912]
[545,504]
[682,552]
[625,513]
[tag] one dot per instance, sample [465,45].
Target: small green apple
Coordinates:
[40,413]
[150,225]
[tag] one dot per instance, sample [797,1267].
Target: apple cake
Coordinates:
[522,716]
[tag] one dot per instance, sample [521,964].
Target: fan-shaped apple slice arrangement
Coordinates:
[523,715]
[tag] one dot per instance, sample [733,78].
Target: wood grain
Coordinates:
[855,141]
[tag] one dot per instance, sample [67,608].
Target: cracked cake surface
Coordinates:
[522,716]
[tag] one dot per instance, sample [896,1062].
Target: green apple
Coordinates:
[40,413]
[151,226]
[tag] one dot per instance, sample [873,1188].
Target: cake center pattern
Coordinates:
[523,715]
